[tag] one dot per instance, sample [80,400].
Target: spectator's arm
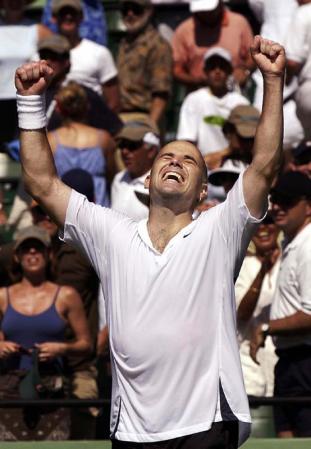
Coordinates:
[158,106]
[292,69]
[111,94]
[43,31]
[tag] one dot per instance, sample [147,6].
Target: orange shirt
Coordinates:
[192,39]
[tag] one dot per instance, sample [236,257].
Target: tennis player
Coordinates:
[168,281]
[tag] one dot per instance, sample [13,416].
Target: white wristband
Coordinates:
[31,111]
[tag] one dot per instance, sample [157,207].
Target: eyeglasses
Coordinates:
[285,202]
[130,145]
[136,9]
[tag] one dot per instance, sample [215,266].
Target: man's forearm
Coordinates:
[158,106]
[298,323]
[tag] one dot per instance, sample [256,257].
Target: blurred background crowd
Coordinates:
[129,76]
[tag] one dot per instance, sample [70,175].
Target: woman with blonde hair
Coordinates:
[77,145]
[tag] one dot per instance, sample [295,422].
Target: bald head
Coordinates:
[187,147]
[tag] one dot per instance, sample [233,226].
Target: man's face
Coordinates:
[137,156]
[241,147]
[59,64]
[217,71]
[135,16]
[177,175]
[68,20]
[290,214]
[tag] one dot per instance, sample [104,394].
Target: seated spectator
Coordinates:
[19,38]
[56,51]
[35,313]
[144,64]
[93,25]
[254,290]
[204,111]
[139,144]
[76,145]
[210,25]
[91,64]
[301,160]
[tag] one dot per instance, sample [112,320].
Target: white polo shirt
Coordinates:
[293,292]
[171,316]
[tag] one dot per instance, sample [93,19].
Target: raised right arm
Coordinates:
[38,168]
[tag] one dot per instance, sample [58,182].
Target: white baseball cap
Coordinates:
[229,167]
[203,5]
[218,51]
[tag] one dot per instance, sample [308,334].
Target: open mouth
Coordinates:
[173,176]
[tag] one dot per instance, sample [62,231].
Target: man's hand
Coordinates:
[33,78]
[268,56]
[257,341]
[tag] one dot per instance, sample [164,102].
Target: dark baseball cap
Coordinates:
[245,119]
[57,5]
[56,44]
[32,232]
[292,185]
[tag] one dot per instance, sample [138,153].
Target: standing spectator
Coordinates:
[298,46]
[144,64]
[204,111]
[34,315]
[290,318]
[139,144]
[211,25]
[254,290]
[275,18]
[91,64]
[19,38]
[93,25]
[77,145]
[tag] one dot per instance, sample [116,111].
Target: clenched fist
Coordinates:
[33,78]
[269,56]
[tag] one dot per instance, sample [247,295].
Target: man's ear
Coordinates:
[147,182]
[203,193]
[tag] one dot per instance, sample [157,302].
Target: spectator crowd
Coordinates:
[107,118]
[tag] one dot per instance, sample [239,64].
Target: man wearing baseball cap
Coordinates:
[205,110]
[139,144]
[290,316]
[144,64]
[210,25]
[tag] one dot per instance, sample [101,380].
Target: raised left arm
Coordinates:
[268,146]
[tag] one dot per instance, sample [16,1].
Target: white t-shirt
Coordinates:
[202,116]
[293,292]
[18,43]
[171,316]
[123,198]
[91,65]
[258,379]
[298,41]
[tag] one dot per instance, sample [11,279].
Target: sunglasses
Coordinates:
[136,9]
[268,220]
[285,202]
[130,145]
[53,56]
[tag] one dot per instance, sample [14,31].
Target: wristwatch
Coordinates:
[265,329]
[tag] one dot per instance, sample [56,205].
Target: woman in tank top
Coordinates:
[77,145]
[34,315]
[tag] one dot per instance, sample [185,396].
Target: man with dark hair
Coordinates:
[168,281]
[290,316]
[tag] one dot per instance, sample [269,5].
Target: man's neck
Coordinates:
[291,234]
[164,224]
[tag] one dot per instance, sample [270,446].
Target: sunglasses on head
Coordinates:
[130,145]
[136,9]
[285,202]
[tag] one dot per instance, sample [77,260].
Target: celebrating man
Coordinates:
[167,281]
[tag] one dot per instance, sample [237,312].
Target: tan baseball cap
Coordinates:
[245,119]
[55,43]
[136,131]
[57,5]
[32,232]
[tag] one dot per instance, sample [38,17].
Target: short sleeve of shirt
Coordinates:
[160,67]
[87,227]
[297,40]
[106,65]
[237,224]
[188,121]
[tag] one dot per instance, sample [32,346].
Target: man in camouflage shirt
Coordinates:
[144,64]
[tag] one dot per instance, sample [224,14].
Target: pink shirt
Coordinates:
[192,39]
